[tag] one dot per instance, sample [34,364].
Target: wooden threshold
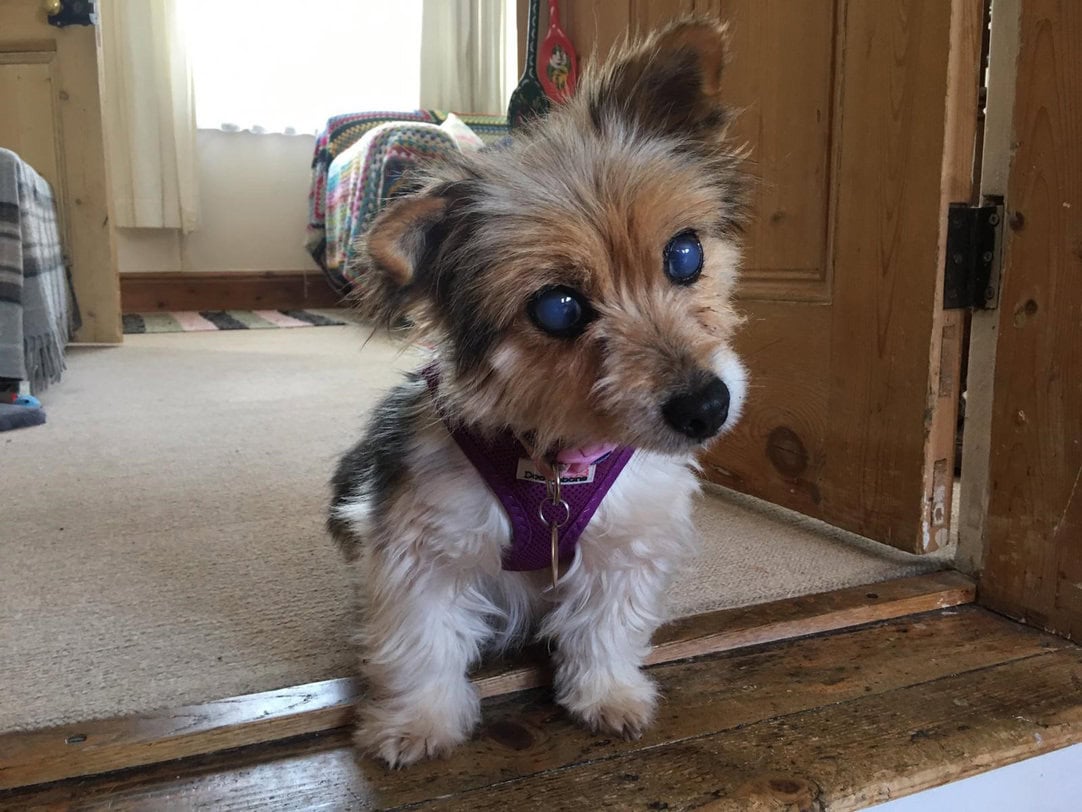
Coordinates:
[836,721]
[111,744]
[233,290]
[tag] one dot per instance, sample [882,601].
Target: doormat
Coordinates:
[192,321]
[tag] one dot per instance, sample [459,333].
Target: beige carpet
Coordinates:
[161,537]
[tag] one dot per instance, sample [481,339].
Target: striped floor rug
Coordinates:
[187,321]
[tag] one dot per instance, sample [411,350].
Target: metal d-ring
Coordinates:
[562,503]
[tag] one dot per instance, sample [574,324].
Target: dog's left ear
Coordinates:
[667,85]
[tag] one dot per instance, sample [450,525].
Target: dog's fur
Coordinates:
[588,198]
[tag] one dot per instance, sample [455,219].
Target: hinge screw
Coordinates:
[987,256]
[989,293]
[993,219]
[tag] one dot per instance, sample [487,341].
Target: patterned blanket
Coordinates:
[359,163]
[369,173]
[36,309]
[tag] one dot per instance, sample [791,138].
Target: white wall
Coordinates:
[253,192]
[1048,783]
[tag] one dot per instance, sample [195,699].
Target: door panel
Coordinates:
[861,121]
[1033,559]
[781,73]
[50,114]
[28,125]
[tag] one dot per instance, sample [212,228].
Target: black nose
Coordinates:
[701,413]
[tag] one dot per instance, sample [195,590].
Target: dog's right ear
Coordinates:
[402,235]
[401,242]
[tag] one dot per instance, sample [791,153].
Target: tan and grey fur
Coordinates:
[588,199]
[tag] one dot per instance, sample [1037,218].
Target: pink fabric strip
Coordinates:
[281,319]
[191,322]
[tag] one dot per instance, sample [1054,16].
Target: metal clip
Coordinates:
[554,521]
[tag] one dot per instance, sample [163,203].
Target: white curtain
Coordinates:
[287,66]
[468,55]
[149,115]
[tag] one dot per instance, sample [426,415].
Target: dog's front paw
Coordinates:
[624,709]
[401,748]
[401,737]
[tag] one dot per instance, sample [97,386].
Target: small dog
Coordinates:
[576,287]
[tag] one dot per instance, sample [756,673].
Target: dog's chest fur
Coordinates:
[415,495]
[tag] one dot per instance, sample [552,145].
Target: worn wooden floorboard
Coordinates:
[839,720]
[837,757]
[111,744]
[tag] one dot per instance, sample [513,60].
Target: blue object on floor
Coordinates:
[18,417]
[27,400]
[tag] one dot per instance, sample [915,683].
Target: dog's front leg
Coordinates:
[602,629]
[423,627]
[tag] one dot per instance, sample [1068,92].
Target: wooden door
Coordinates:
[50,115]
[861,117]
[1033,526]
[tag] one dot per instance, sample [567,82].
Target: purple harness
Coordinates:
[506,467]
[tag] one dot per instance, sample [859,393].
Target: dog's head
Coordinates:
[577,282]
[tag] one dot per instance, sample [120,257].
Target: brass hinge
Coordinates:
[972,269]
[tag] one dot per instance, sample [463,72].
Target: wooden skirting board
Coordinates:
[235,290]
[112,744]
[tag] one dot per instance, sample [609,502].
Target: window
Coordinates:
[288,65]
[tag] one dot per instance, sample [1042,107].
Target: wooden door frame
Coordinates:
[1022,463]
[82,196]
[995,169]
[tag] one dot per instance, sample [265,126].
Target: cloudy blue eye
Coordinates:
[684,258]
[559,311]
